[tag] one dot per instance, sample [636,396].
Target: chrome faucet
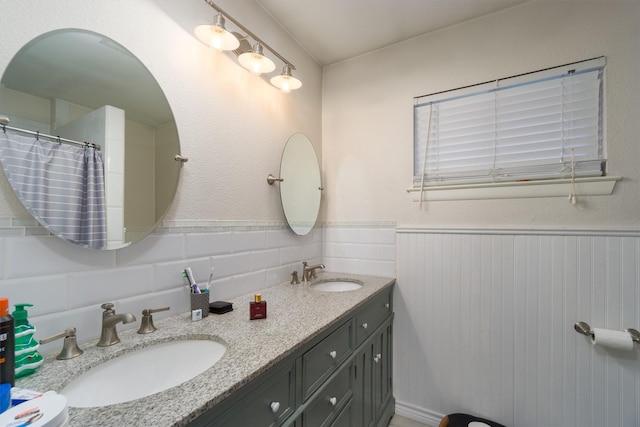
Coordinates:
[309,271]
[110,319]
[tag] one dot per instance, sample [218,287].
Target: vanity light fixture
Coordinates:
[252,58]
[285,81]
[255,61]
[216,35]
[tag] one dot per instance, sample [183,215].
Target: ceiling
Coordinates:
[335,30]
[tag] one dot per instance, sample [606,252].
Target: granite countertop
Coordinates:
[295,315]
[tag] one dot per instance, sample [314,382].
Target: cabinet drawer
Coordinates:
[345,419]
[324,358]
[330,400]
[372,315]
[268,405]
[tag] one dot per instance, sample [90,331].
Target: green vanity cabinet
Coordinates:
[323,359]
[373,366]
[323,409]
[382,372]
[340,378]
[270,401]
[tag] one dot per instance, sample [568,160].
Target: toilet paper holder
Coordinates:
[584,329]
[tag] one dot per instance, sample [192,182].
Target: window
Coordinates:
[542,125]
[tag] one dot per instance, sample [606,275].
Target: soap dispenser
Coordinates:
[27,357]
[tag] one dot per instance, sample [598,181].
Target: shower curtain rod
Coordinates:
[4,122]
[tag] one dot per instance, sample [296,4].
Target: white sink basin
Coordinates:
[142,372]
[336,285]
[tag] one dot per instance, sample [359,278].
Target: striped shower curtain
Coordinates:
[61,185]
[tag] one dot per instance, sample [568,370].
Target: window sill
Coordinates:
[593,186]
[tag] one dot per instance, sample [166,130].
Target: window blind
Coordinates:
[542,125]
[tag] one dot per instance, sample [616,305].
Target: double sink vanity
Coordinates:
[322,357]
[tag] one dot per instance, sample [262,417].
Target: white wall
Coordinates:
[484,325]
[232,127]
[232,124]
[368,118]
[485,307]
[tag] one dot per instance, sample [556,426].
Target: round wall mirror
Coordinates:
[64,82]
[300,188]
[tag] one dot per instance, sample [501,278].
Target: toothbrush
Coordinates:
[194,285]
[184,274]
[209,281]
[188,274]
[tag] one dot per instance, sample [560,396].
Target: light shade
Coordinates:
[255,61]
[216,36]
[285,81]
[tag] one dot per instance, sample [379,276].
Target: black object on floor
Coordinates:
[463,420]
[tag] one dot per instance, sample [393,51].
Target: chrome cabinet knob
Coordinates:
[333,354]
[333,401]
[364,325]
[377,358]
[275,406]
[387,305]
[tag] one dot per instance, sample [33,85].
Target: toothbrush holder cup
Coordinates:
[200,301]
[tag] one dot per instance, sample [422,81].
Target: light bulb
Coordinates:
[255,66]
[216,39]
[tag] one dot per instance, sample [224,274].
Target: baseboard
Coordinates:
[416,413]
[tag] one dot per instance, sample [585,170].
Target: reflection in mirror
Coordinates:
[301,187]
[84,86]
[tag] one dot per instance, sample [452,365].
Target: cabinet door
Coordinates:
[382,355]
[364,411]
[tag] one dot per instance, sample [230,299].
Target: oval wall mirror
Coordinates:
[300,188]
[65,82]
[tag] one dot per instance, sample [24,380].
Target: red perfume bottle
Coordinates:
[257,308]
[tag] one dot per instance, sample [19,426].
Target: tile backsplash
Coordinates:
[361,248]
[67,284]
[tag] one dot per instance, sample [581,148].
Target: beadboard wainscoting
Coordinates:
[484,325]
[66,284]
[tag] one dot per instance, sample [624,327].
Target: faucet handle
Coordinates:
[70,347]
[146,324]
[150,311]
[294,277]
[107,306]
